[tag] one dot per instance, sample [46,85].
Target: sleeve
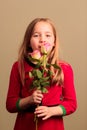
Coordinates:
[69,102]
[14,89]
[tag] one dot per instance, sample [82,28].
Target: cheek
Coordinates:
[33,44]
[53,43]
[52,40]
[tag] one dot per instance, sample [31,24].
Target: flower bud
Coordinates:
[45,48]
[35,54]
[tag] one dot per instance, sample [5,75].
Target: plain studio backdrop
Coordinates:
[70,18]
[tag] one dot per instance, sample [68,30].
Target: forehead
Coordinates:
[43,26]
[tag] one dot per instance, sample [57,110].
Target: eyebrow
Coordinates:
[39,32]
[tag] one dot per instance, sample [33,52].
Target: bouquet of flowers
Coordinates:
[41,74]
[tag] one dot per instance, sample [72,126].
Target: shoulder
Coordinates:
[15,65]
[66,67]
[64,64]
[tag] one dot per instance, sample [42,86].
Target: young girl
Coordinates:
[60,100]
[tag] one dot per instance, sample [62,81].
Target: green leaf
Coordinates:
[55,66]
[50,73]
[43,79]
[36,83]
[44,84]
[32,59]
[48,65]
[44,90]
[34,72]
[30,75]
[39,88]
[38,65]
[39,74]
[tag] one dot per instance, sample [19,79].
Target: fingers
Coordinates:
[37,96]
[43,111]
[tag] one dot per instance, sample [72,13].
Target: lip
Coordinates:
[39,48]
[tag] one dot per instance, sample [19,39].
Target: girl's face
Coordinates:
[43,33]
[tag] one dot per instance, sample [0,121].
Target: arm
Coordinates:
[35,98]
[69,95]
[15,101]
[68,104]
[14,89]
[47,112]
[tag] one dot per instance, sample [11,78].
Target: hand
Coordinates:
[36,97]
[44,112]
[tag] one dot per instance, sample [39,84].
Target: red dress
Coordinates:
[56,95]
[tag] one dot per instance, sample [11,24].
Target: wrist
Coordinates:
[63,109]
[17,104]
[56,111]
[23,103]
[30,100]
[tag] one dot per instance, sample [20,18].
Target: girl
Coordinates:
[60,99]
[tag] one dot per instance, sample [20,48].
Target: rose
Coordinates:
[45,48]
[40,73]
[35,54]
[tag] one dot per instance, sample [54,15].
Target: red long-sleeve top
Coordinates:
[57,95]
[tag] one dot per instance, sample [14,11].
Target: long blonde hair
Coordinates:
[53,57]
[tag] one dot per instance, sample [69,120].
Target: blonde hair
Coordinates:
[53,57]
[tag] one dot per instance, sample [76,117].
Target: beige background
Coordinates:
[70,18]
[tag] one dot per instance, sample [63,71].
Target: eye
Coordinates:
[35,35]
[48,35]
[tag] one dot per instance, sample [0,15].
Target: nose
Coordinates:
[42,39]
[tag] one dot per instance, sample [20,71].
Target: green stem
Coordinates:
[36,120]
[44,61]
